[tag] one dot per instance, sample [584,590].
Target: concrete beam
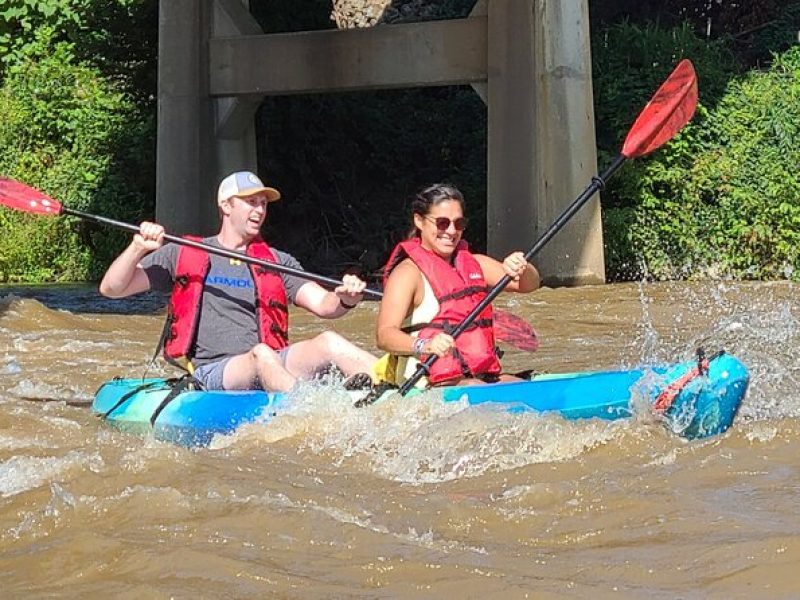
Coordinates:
[481,9]
[233,17]
[235,116]
[388,56]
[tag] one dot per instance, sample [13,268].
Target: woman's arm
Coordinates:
[524,276]
[399,299]
[403,292]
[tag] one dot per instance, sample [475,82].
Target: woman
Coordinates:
[431,282]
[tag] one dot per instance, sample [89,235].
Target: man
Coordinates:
[228,320]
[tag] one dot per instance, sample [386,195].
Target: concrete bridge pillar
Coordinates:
[200,138]
[184,146]
[541,139]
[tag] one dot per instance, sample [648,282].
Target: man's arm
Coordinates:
[125,277]
[330,305]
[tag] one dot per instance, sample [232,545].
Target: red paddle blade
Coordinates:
[19,196]
[514,331]
[668,111]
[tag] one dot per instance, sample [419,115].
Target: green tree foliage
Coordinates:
[19,20]
[723,199]
[630,61]
[68,131]
[77,119]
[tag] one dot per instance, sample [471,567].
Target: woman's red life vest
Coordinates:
[458,287]
[272,312]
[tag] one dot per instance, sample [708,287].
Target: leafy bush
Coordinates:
[68,131]
[19,20]
[722,199]
[628,63]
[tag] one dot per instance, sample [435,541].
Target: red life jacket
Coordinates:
[272,312]
[458,288]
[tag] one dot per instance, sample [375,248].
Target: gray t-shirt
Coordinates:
[227,325]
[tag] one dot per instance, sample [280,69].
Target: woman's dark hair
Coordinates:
[432,195]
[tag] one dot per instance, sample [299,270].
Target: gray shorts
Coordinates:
[210,374]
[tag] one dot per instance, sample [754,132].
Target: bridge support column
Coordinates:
[185,118]
[541,139]
[528,59]
[235,127]
[200,139]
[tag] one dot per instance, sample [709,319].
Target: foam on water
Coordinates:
[10,366]
[764,334]
[38,390]
[422,439]
[22,473]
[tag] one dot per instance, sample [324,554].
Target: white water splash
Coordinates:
[22,473]
[10,366]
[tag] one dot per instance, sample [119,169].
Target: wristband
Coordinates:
[346,306]
[417,346]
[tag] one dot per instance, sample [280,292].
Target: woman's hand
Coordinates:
[441,345]
[515,265]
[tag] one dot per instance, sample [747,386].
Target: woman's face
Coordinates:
[441,229]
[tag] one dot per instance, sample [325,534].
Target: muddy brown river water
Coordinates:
[406,499]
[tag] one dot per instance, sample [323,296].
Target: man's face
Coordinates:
[248,213]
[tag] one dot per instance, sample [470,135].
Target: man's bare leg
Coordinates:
[262,364]
[307,358]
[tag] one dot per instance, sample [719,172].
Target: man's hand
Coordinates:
[149,238]
[351,291]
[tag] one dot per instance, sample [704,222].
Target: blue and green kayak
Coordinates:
[696,398]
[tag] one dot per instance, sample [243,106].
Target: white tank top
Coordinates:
[424,313]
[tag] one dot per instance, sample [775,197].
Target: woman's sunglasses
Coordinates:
[443,223]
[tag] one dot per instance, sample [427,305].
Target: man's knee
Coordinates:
[263,354]
[331,342]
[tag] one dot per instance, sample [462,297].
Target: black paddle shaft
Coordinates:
[321,279]
[598,183]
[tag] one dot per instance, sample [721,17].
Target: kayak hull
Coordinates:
[702,406]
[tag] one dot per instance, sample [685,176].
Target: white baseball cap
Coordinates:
[243,184]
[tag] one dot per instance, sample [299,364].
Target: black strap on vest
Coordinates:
[463,293]
[449,328]
[446,327]
[276,329]
[279,305]
[166,334]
